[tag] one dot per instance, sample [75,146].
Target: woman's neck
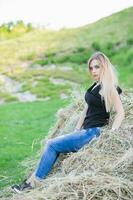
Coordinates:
[97,82]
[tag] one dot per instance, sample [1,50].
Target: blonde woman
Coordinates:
[100,98]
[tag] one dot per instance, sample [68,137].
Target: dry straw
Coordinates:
[101,170]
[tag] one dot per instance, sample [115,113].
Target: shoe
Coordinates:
[24,186]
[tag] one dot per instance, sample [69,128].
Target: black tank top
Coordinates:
[96,115]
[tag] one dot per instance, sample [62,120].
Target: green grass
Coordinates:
[7,97]
[44,87]
[21,124]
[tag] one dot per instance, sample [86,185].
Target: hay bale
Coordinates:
[101,170]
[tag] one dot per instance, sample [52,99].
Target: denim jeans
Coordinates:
[71,142]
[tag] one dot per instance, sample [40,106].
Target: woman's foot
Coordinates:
[24,186]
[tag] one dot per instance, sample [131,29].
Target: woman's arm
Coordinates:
[82,117]
[119,111]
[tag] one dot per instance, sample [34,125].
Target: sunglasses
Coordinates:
[95,66]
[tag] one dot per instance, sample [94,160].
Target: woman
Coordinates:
[100,98]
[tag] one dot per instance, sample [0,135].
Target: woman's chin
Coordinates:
[95,79]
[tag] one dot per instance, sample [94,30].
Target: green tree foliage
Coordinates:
[14,29]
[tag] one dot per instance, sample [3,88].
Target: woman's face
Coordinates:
[95,69]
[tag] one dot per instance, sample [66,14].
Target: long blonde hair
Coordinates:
[108,78]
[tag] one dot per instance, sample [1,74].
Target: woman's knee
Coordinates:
[49,142]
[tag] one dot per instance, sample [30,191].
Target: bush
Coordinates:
[81,49]
[130,41]
[41,62]
[96,46]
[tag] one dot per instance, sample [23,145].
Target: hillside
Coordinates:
[22,58]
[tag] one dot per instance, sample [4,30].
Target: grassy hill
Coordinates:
[21,57]
[68,47]
[33,58]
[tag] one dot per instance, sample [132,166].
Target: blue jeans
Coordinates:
[63,144]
